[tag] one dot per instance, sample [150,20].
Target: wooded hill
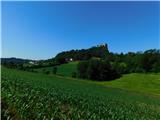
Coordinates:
[99,61]
[99,51]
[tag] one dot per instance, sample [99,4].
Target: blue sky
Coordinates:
[40,30]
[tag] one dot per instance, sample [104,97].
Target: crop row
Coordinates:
[27,101]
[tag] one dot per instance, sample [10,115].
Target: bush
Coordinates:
[54,71]
[47,72]
[93,69]
[82,69]
[121,67]
[74,74]
[97,69]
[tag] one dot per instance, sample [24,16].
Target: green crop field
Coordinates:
[28,95]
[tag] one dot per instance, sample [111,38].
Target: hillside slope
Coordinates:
[139,82]
[67,69]
[50,96]
[64,69]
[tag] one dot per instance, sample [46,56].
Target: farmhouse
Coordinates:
[32,62]
[69,59]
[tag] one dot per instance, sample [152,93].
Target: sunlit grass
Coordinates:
[40,96]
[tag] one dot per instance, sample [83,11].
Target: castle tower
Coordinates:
[104,46]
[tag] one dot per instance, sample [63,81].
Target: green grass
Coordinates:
[147,83]
[138,82]
[63,70]
[28,95]
[67,69]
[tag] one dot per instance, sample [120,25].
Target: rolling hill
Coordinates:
[64,69]
[27,95]
[139,82]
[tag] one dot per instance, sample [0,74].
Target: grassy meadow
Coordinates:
[138,82]
[63,70]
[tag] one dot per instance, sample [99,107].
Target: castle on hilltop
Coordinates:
[103,45]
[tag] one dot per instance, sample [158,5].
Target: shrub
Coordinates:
[82,69]
[54,71]
[97,69]
[47,72]
[74,74]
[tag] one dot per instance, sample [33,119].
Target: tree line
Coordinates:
[114,65]
[147,61]
[98,63]
[96,69]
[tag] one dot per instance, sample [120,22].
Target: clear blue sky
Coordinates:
[40,30]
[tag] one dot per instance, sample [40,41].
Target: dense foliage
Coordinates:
[28,96]
[14,62]
[113,65]
[97,69]
[148,61]
[107,65]
[85,54]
